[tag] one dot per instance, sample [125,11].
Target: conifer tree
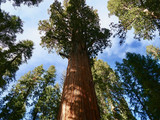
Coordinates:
[141,15]
[110,93]
[12,58]
[37,89]
[46,98]
[14,104]
[141,82]
[46,108]
[73,30]
[12,54]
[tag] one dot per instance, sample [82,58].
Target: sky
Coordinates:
[31,17]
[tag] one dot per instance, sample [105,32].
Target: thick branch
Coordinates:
[64,55]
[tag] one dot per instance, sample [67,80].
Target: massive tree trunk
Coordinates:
[78,98]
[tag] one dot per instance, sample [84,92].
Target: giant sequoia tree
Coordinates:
[141,15]
[74,31]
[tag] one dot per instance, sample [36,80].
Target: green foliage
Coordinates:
[46,98]
[141,15]
[12,54]
[47,105]
[10,25]
[141,82]
[71,26]
[153,51]
[12,58]
[26,2]
[14,104]
[109,93]
[36,88]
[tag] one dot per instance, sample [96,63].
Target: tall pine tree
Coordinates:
[110,93]
[35,89]
[141,82]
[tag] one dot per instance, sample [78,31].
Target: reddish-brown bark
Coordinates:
[78,98]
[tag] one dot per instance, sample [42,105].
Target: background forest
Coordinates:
[124,57]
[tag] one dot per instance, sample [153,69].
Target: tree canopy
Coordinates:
[141,15]
[141,81]
[37,88]
[12,58]
[12,53]
[26,2]
[110,93]
[153,51]
[72,25]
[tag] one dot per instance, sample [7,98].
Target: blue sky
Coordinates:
[32,15]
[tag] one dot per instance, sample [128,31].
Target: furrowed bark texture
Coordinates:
[79,99]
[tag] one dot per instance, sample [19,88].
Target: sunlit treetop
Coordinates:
[109,93]
[35,89]
[153,51]
[141,15]
[72,25]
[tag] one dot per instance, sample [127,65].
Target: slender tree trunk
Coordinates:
[35,114]
[79,99]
